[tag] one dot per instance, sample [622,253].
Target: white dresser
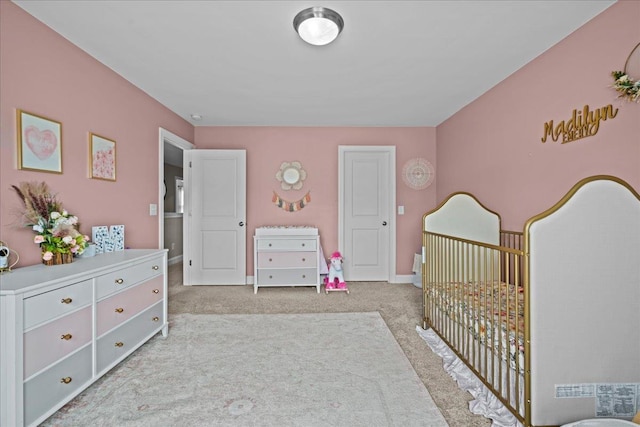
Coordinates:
[63,327]
[286,256]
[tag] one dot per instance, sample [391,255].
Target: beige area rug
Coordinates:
[334,369]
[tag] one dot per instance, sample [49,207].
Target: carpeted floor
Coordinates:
[284,370]
[400,305]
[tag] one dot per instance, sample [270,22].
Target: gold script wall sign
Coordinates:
[581,124]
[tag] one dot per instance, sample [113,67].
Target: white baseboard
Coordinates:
[405,278]
[402,278]
[174,260]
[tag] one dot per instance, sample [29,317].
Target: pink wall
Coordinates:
[42,73]
[492,148]
[496,136]
[87,97]
[317,150]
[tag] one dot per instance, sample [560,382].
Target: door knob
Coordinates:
[241,223]
[384,222]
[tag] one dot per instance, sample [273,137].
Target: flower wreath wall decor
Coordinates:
[627,87]
[291,176]
[625,84]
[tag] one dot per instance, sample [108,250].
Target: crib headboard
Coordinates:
[462,215]
[584,293]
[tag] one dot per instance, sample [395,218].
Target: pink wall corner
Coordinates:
[492,147]
[43,73]
[317,150]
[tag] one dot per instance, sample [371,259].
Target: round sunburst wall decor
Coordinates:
[418,173]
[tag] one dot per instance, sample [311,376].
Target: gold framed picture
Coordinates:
[39,143]
[102,158]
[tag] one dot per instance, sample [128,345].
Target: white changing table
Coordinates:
[286,256]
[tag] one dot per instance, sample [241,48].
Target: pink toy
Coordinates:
[335,280]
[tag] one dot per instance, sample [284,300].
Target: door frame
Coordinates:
[391,150]
[169,138]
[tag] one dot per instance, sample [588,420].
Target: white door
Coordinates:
[367,214]
[215,215]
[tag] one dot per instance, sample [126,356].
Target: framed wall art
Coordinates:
[102,158]
[39,143]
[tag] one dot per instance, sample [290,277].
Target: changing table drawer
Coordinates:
[287,259]
[285,277]
[288,244]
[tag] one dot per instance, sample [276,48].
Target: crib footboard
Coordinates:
[474,300]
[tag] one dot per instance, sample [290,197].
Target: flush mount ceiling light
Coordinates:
[318,25]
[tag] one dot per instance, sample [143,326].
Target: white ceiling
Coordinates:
[240,63]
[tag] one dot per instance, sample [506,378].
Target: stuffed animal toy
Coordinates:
[335,274]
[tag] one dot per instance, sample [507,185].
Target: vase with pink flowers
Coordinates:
[56,229]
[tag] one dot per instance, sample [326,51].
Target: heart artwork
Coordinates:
[42,143]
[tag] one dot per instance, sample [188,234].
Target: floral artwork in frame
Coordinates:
[39,143]
[102,158]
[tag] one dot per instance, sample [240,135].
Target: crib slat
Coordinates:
[472,302]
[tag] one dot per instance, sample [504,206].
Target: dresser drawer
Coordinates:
[114,282]
[287,259]
[294,276]
[54,340]
[125,338]
[49,305]
[122,306]
[287,244]
[49,388]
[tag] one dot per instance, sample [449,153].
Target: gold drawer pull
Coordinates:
[155,319]
[66,337]
[66,380]
[66,301]
[119,344]
[119,310]
[119,281]
[155,267]
[155,291]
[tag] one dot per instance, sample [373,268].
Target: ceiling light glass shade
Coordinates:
[318,25]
